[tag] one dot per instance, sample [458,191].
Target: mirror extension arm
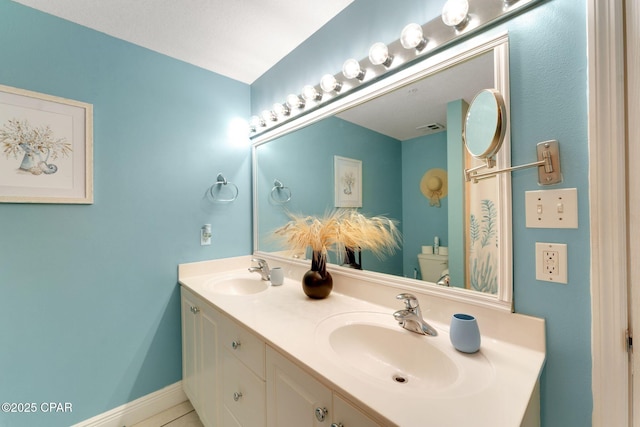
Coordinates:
[548,163]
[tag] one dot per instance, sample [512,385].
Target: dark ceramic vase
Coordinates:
[317,282]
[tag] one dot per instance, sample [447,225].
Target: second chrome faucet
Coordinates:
[262,268]
[411,317]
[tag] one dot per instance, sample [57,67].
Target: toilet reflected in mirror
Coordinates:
[433,266]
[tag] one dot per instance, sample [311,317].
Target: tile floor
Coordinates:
[181,415]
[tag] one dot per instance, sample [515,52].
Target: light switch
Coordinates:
[552,208]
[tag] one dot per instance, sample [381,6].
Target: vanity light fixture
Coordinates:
[311,94]
[329,84]
[379,55]
[455,13]
[412,37]
[281,110]
[294,101]
[351,70]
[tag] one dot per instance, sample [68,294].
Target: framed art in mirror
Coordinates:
[347,182]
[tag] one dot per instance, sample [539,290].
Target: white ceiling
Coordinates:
[240,39]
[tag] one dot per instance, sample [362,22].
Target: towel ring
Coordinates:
[278,187]
[221,181]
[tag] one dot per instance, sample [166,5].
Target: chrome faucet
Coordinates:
[411,317]
[262,268]
[444,280]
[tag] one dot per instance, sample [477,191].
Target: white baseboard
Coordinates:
[139,409]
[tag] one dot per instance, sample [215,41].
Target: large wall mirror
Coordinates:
[401,138]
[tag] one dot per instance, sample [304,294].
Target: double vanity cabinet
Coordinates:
[231,377]
[269,356]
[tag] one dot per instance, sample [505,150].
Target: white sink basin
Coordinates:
[237,283]
[373,347]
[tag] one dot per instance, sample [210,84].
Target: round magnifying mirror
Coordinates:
[485,124]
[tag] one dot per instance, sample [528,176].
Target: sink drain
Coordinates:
[400,379]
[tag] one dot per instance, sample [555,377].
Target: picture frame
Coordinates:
[347,182]
[46,148]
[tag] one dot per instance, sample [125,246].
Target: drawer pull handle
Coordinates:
[237,395]
[195,310]
[337,425]
[235,345]
[321,414]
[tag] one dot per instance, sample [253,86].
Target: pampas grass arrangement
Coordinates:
[339,229]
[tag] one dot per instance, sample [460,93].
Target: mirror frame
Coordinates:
[498,43]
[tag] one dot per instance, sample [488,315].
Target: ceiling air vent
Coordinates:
[431,128]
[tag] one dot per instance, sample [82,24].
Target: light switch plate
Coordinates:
[552,208]
[551,262]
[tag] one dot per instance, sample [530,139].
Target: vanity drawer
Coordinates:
[244,345]
[243,394]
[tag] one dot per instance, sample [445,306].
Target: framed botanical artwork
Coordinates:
[46,148]
[348,182]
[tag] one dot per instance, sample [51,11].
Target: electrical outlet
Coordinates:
[205,235]
[551,262]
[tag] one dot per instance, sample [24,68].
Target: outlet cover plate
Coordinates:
[205,235]
[552,208]
[551,262]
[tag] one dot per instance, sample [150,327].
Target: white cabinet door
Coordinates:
[347,415]
[200,367]
[189,351]
[294,398]
[209,375]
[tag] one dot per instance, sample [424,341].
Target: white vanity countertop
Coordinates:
[287,319]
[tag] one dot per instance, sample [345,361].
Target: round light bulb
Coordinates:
[455,13]
[351,69]
[268,116]
[412,37]
[328,83]
[311,94]
[379,55]
[255,122]
[281,110]
[294,101]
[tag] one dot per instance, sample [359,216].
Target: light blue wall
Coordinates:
[303,161]
[89,297]
[456,111]
[425,221]
[548,75]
